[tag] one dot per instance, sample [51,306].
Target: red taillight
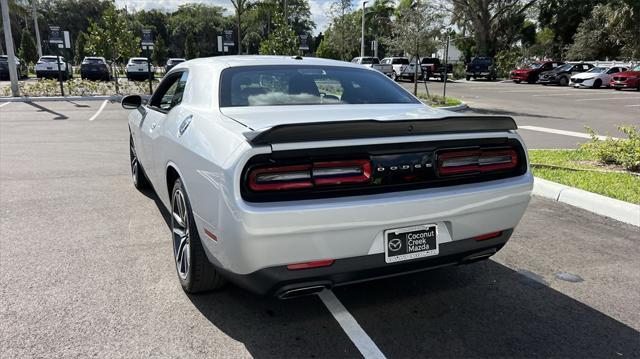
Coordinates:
[280,178]
[341,172]
[310,175]
[469,161]
[487,236]
[314,264]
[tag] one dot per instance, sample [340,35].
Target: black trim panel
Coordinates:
[342,130]
[277,280]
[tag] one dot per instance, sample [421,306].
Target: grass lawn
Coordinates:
[439,101]
[622,186]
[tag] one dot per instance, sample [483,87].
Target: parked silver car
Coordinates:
[291,175]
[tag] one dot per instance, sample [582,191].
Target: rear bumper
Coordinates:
[48,73]
[278,280]
[94,74]
[254,236]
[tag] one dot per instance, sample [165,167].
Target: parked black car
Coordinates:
[432,67]
[562,74]
[23,69]
[173,62]
[95,68]
[481,67]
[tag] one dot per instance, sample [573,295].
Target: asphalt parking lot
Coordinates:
[542,112]
[86,266]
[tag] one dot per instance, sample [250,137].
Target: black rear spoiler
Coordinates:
[342,130]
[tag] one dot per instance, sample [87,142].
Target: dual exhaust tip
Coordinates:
[302,291]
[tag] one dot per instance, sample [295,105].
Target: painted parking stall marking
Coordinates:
[104,103]
[562,132]
[354,331]
[4,104]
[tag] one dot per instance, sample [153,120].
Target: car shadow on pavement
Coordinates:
[483,309]
[59,116]
[478,310]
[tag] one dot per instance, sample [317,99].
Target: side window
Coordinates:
[169,93]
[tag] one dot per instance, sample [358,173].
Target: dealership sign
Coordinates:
[228,38]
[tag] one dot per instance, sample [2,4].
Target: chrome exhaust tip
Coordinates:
[299,292]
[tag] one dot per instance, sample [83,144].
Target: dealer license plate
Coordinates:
[407,243]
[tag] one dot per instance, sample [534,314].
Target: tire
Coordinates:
[516,81]
[638,87]
[468,78]
[618,88]
[563,81]
[195,272]
[138,176]
[394,76]
[597,84]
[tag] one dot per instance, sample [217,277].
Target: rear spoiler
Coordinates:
[342,130]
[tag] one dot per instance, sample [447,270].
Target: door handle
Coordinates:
[184,125]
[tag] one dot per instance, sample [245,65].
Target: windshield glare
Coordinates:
[535,65]
[637,68]
[563,68]
[597,70]
[307,85]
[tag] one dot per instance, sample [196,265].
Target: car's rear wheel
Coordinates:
[516,81]
[563,81]
[195,272]
[597,84]
[137,173]
[394,76]
[468,78]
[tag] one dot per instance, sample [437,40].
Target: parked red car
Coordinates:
[531,72]
[627,79]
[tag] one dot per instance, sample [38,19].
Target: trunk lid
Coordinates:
[264,117]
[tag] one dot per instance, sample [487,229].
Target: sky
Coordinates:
[319,8]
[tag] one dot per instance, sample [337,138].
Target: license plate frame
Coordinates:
[414,242]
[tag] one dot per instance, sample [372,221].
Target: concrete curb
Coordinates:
[112,98]
[592,202]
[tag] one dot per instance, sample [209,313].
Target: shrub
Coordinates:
[623,152]
[79,87]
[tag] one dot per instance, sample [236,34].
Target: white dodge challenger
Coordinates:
[288,175]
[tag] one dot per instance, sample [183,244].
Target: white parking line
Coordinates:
[631,105]
[354,331]
[603,98]
[562,132]
[104,103]
[4,104]
[581,93]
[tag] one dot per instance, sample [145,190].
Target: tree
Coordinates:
[80,45]
[611,31]
[159,54]
[202,22]
[491,22]
[417,25]
[240,6]
[28,51]
[111,38]
[281,41]
[563,17]
[190,49]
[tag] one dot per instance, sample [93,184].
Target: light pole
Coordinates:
[11,56]
[362,38]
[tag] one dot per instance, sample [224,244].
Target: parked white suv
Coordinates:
[138,69]
[400,66]
[47,67]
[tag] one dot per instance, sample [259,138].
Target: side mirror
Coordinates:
[131,102]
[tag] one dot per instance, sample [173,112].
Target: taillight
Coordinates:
[304,176]
[470,161]
[341,172]
[280,178]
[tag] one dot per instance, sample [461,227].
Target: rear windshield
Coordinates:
[92,61]
[4,59]
[49,59]
[307,85]
[369,61]
[482,61]
[171,62]
[139,62]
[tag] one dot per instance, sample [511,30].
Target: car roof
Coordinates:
[259,60]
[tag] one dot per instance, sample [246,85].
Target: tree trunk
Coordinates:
[239,31]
